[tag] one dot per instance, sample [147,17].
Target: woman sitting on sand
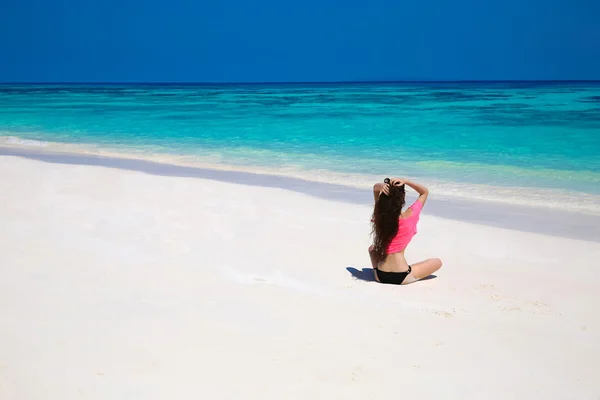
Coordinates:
[393,230]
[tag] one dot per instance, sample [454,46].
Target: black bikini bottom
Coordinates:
[395,278]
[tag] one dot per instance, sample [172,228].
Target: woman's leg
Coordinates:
[422,270]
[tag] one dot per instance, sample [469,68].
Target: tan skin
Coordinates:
[396,262]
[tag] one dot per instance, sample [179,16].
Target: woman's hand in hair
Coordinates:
[398,181]
[385,189]
[380,188]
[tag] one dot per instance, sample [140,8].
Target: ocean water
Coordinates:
[526,143]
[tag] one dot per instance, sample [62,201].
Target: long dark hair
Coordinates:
[385,220]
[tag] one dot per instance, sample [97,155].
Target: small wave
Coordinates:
[25,142]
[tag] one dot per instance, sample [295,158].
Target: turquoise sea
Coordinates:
[523,142]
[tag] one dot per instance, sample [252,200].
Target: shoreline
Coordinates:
[524,218]
[451,187]
[556,198]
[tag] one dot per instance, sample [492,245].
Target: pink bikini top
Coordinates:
[407,228]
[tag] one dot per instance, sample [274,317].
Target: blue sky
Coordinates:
[308,40]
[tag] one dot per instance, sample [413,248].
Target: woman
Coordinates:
[393,230]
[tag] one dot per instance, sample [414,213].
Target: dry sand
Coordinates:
[123,285]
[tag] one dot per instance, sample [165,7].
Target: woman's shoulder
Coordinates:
[417,206]
[413,210]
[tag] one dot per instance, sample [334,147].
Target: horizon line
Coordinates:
[296,82]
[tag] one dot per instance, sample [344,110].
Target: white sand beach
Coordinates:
[124,285]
